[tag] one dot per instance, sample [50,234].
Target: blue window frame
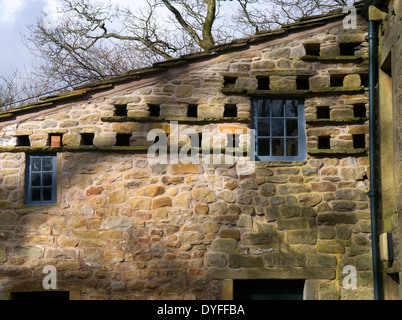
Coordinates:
[41,179]
[280,129]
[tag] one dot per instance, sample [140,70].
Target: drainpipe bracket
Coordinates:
[376,14]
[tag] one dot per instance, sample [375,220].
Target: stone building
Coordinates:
[79,191]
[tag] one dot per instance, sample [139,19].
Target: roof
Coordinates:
[237,44]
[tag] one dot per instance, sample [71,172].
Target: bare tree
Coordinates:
[255,16]
[22,88]
[92,41]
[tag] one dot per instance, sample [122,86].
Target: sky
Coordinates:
[15,15]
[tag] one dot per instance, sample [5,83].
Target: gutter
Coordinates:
[373,192]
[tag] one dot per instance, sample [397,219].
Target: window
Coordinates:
[41,179]
[267,289]
[279,129]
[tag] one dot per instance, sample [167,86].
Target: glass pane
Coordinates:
[35,180]
[277,108]
[47,194]
[36,165]
[292,147]
[35,194]
[278,128]
[278,148]
[264,107]
[263,147]
[264,127]
[292,128]
[47,164]
[291,108]
[47,179]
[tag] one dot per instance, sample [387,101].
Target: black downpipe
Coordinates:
[372,38]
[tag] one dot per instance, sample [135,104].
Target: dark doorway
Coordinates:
[262,289]
[40,295]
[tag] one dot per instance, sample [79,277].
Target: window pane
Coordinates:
[47,179]
[263,147]
[47,164]
[292,128]
[277,108]
[35,180]
[264,107]
[292,147]
[264,127]
[36,165]
[35,194]
[278,148]
[291,108]
[278,128]
[47,194]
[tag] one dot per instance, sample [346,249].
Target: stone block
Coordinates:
[126,127]
[302,237]
[352,81]
[263,65]
[277,83]
[284,260]
[216,260]
[103,141]
[309,200]
[182,168]
[321,261]
[162,202]
[336,218]
[140,203]
[184,91]
[241,261]
[38,140]
[340,205]
[224,245]
[152,191]
[118,223]
[267,190]
[246,83]
[210,111]
[329,50]
[330,246]
[351,38]
[229,233]
[204,195]
[270,237]
[291,224]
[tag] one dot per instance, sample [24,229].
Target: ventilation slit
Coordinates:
[123,139]
[154,110]
[359,141]
[324,142]
[120,110]
[230,111]
[323,113]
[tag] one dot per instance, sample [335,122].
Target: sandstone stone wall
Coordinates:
[125,227]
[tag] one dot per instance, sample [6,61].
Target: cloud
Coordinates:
[10,10]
